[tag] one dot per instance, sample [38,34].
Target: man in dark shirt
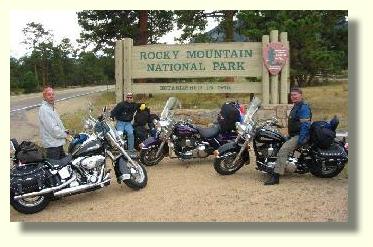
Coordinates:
[299,123]
[123,113]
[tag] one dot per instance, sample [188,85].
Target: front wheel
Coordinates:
[224,165]
[139,177]
[29,205]
[149,156]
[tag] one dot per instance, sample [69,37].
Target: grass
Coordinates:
[325,101]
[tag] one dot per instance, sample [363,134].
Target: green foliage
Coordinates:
[29,83]
[194,22]
[103,27]
[318,42]
[318,39]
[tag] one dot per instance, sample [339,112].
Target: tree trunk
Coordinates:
[36,74]
[143,27]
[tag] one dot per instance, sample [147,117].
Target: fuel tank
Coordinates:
[185,130]
[87,148]
[264,135]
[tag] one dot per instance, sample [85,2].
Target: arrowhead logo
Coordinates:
[275,55]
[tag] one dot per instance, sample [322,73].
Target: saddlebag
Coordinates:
[334,152]
[29,178]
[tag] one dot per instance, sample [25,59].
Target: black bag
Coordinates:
[321,134]
[229,115]
[29,152]
[29,178]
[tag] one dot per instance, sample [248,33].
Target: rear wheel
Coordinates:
[149,156]
[139,177]
[327,171]
[225,166]
[29,205]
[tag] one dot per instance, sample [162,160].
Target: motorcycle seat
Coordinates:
[58,164]
[210,132]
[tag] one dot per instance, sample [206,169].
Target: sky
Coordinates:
[62,23]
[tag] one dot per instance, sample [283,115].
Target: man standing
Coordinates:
[123,112]
[299,122]
[52,131]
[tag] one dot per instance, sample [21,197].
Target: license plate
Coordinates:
[64,173]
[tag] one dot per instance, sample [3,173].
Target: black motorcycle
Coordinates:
[267,141]
[34,183]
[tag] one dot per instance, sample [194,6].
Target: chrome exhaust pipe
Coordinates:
[81,188]
[46,191]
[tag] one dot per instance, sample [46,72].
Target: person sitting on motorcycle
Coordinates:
[141,119]
[228,116]
[123,113]
[299,123]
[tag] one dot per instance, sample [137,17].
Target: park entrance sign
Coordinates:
[203,60]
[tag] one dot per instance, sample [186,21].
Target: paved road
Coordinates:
[29,101]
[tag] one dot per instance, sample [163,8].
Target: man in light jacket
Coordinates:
[52,131]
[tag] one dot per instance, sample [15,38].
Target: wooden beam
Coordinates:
[118,56]
[265,74]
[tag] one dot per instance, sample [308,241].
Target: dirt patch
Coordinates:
[180,191]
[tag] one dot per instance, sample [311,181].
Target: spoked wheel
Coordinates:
[225,166]
[139,177]
[149,157]
[29,205]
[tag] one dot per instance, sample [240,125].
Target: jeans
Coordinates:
[128,128]
[55,153]
[283,154]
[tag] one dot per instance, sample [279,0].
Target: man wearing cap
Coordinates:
[123,112]
[52,131]
[299,122]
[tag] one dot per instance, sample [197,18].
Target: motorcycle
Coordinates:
[267,141]
[181,139]
[33,185]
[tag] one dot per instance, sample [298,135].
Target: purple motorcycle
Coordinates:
[181,139]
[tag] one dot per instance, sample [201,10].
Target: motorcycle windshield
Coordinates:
[170,104]
[251,110]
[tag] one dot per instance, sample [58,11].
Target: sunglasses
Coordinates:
[129,97]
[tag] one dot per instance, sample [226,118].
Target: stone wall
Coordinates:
[208,116]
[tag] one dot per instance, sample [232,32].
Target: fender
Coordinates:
[233,146]
[150,142]
[121,168]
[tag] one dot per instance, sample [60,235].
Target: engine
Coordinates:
[92,162]
[190,147]
[91,166]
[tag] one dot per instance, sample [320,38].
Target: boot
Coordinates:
[274,179]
